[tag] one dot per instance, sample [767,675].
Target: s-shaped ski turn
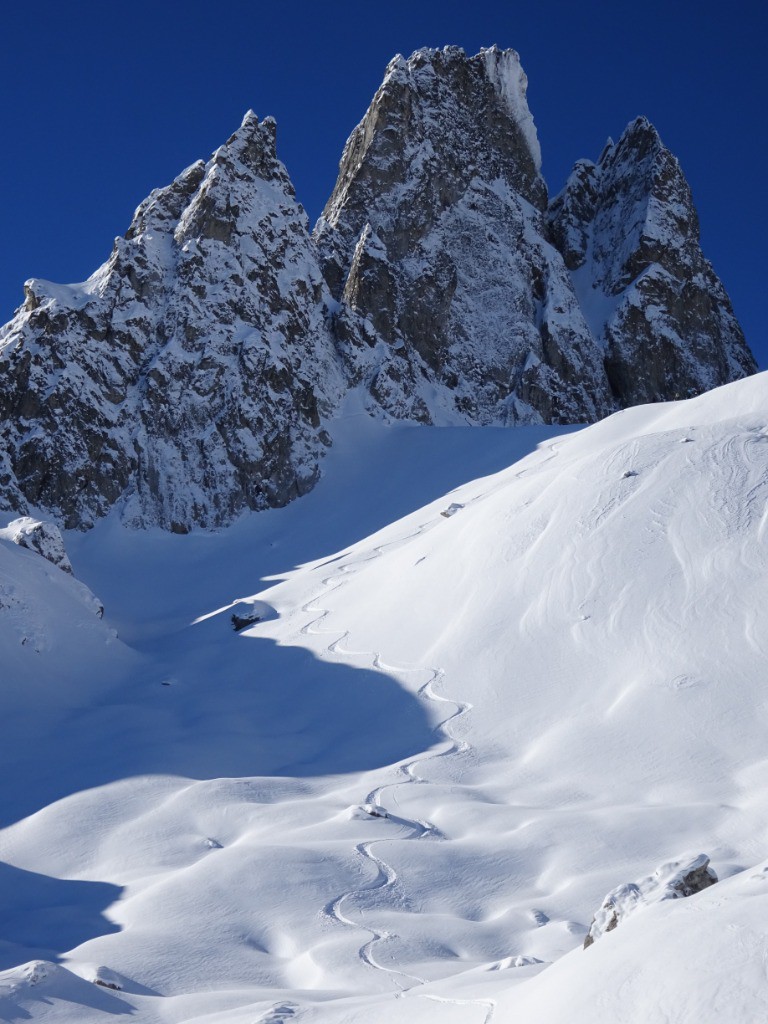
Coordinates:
[374,805]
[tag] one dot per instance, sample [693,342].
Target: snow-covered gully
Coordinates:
[373,804]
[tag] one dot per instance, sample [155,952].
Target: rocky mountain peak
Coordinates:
[252,151]
[433,242]
[629,233]
[190,377]
[438,120]
[186,379]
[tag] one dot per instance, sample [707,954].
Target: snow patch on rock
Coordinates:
[670,881]
[42,537]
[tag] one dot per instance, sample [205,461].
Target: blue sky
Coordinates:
[103,102]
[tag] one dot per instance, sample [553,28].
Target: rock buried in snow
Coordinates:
[515,961]
[107,978]
[374,811]
[452,509]
[41,537]
[241,622]
[670,881]
[37,970]
[247,613]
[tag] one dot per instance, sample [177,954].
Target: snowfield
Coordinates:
[402,794]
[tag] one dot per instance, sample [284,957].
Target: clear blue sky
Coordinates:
[101,102]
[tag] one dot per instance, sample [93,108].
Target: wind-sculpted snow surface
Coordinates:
[188,376]
[405,791]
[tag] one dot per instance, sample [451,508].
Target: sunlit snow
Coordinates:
[403,792]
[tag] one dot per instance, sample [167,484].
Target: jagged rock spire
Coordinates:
[628,231]
[433,243]
[186,379]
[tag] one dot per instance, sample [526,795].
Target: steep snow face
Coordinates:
[629,233]
[453,306]
[188,377]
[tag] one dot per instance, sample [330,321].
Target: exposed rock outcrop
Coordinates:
[670,881]
[187,378]
[43,538]
[629,234]
[191,377]
[453,305]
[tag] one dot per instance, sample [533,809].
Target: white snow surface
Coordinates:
[403,793]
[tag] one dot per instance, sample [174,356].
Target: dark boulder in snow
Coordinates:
[670,881]
[241,622]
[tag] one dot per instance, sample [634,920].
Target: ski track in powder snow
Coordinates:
[386,877]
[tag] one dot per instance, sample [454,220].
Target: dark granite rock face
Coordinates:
[629,234]
[187,378]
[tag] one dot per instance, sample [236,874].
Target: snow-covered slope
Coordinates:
[478,699]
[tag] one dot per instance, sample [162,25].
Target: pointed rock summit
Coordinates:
[454,307]
[187,378]
[629,234]
[192,376]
